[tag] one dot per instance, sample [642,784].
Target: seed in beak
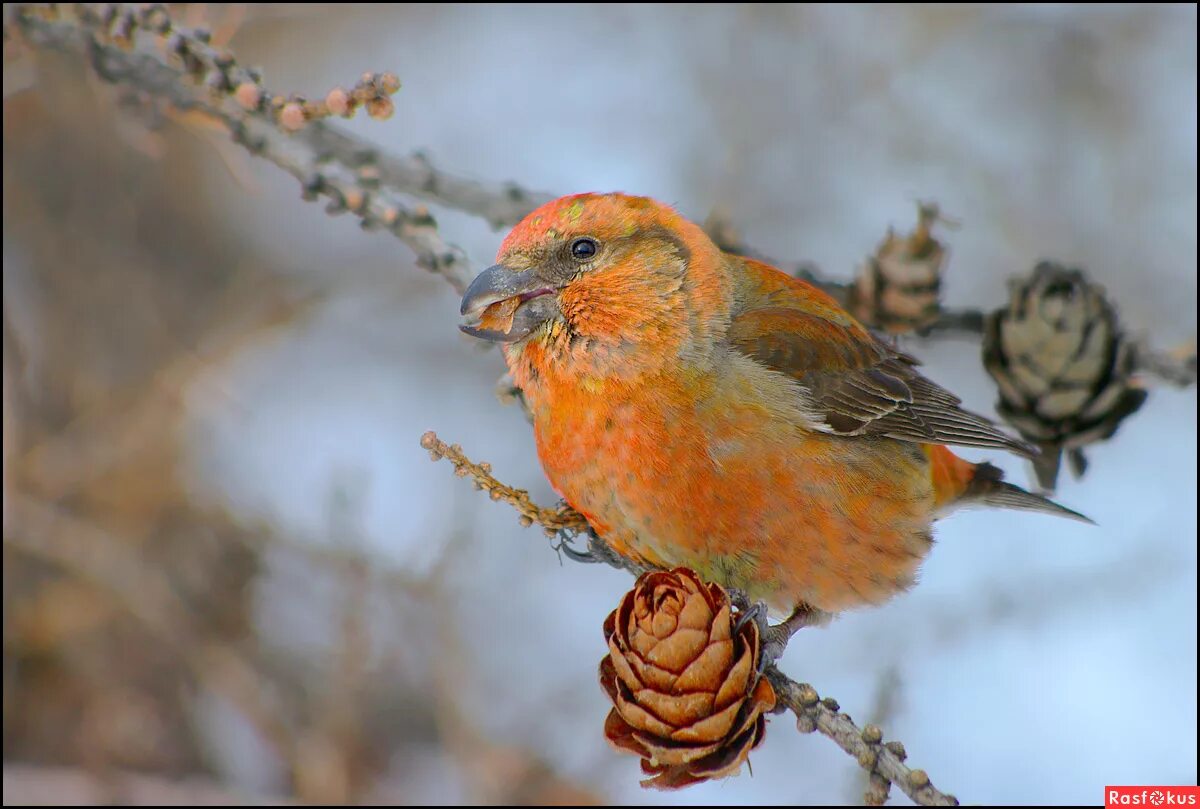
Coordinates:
[499,315]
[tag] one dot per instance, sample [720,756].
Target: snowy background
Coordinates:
[1037,660]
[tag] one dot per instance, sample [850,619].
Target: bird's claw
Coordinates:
[564,547]
[747,612]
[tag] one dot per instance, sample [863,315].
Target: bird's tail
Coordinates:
[988,487]
[958,482]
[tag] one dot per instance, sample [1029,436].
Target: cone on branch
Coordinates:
[1062,364]
[898,290]
[684,679]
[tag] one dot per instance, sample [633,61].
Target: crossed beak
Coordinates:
[535,302]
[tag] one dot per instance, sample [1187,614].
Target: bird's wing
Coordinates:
[854,383]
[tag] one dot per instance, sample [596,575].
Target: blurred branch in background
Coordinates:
[99,559]
[26,784]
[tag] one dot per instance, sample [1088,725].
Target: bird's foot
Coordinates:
[776,638]
[738,598]
[746,611]
[598,551]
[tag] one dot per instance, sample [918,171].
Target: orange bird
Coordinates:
[708,410]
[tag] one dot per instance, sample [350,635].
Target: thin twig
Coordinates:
[346,190]
[865,745]
[1176,366]
[553,520]
[416,175]
[562,523]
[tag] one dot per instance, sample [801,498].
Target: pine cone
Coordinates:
[1063,366]
[898,288]
[688,694]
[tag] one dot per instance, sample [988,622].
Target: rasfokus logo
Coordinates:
[1151,796]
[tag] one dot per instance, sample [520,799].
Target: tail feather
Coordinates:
[988,487]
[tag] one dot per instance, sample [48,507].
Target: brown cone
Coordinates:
[898,289]
[686,688]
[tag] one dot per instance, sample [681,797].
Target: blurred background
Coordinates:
[231,573]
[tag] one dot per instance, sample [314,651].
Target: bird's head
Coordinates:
[599,273]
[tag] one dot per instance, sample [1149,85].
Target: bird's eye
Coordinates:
[583,249]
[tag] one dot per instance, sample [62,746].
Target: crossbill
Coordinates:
[708,410]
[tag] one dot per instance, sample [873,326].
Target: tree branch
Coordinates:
[865,745]
[414,174]
[1175,366]
[224,97]
[352,173]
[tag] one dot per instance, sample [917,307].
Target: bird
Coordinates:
[707,410]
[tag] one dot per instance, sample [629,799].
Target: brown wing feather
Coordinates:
[859,385]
